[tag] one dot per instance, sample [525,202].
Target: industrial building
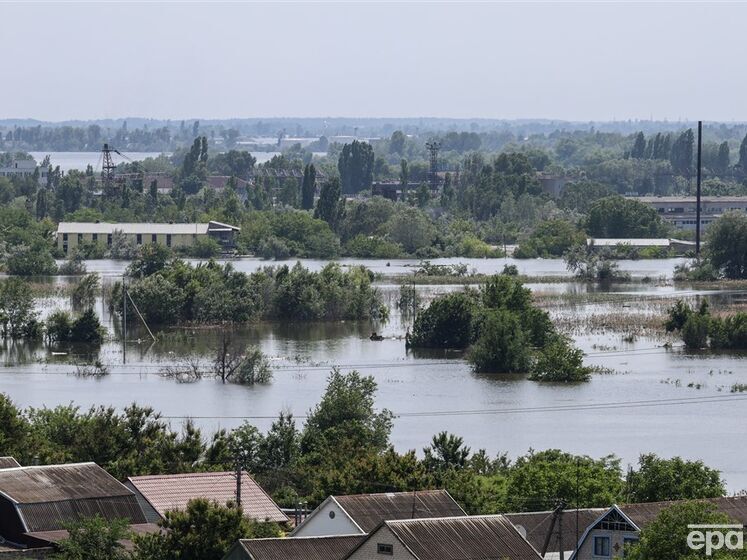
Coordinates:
[680,211]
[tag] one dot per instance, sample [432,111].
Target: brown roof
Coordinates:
[54,537]
[170,492]
[642,514]
[369,510]
[53,483]
[535,526]
[221,181]
[308,548]
[8,463]
[487,537]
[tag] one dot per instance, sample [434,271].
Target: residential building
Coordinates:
[361,513]
[536,525]
[72,234]
[47,498]
[158,494]
[677,246]
[602,533]
[8,463]
[301,548]
[680,211]
[484,537]
[552,184]
[24,168]
[619,526]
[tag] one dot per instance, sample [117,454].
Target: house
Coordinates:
[602,533]
[302,548]
[158,494]
[619,526]
[8,463]
[483,537]
[72,234]
[47,498]
[680,211]
[678,246]
[24,168]
[535,526]
[362,513]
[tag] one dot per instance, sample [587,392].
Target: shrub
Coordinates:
[205,248]
[374,247]
[87,328]
[274,248]
[695,331]
[446,322]
[254,368]
[502,346]
[73,266]
[25,260]
[560,362]
[59,326]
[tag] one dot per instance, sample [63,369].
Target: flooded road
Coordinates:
[651,398]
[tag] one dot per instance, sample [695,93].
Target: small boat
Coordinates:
[375,337]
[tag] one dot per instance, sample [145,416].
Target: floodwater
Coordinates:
[652,399]
[652,268]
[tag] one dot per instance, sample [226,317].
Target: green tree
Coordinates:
[17,315]
[446,451]
[308,188]
[743,155]
[723,160]
[397,143]
[560,362]
[94,538]
[659,480]
[538,480]
[329,207]
[87,328]
[404,177]
[203,531]
[638,151]
[502,345]
[14,429]
[446,323]
[726,245]
[682,153]
[412,229]
[619,217]
[355,164]
[344,421]
[667,535]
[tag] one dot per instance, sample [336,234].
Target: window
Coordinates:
[168,240]
[139,239]
[95,237]
[154,238]
[109,239]
[383,548]
[331,514]
[64,237]
[80,238]
[602,546]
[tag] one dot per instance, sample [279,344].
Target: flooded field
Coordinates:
[652,397]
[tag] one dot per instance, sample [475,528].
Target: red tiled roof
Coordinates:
[170,492]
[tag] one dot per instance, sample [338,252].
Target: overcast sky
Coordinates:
[572,61]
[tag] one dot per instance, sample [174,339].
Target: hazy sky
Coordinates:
[573,61]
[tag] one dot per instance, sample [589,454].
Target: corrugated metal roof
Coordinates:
[54,483]
[308,548]
[369,510]
[535,525]
[8,463]
[487,537]
[144,228]
[642,514]
[635,242]
[687,199]
[170,492]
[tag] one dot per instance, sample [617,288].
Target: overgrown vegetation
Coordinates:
[699,329]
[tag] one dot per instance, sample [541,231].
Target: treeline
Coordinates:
[170,291]
[295,462]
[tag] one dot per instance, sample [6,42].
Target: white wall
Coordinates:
[321,524]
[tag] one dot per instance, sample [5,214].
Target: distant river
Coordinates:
[80,160]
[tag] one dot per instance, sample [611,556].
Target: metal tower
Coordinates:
[433,148]
[107,166]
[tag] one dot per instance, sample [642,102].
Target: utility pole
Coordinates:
[697,195]
[124,320]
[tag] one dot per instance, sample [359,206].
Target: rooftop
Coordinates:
[55,483]
[308,548]
[173,492]
[674,199]
[369,510]
[142,228]
[8,463]
[535,526]
[485,537]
